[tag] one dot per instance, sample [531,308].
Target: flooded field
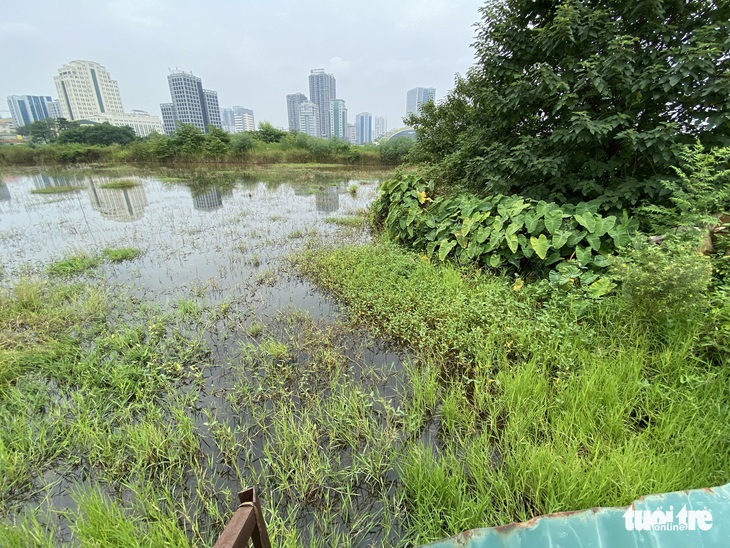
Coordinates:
[250,376]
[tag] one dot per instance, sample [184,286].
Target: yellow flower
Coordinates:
[422,198]
[519,283]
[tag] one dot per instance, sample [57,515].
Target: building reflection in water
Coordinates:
[117,204]
[45,181]
[208,201]
[327,200]
[4,192]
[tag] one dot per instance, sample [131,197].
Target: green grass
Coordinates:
[349,221]
[512,404]
[120,254]
[73,266]
[121,184]
[56,189]
[543,402]
[81,262]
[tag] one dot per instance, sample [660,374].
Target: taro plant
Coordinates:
[573,242]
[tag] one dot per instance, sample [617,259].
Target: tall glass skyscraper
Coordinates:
[26,109]
[416,97]
[338,119]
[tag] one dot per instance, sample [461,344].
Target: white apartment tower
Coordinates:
[85,90]
[191,104]
[309,119]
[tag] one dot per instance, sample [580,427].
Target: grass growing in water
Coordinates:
[121,184]
[80,263]
[120,254]
[56,189]
[72,266]
[349,221]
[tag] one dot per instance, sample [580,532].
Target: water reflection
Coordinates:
[117,204]
[4,192]
[207,201]
[327,200]
[41,181]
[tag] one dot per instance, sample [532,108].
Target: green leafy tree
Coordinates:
[217,142]
[188,139]
[242,143]
[98,134]
[582,99]
[267,133]
[394,151]
[42,131]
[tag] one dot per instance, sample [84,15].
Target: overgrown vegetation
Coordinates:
[65,143]
[574,101]
[540,401]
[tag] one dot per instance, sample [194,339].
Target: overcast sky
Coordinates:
[253,53]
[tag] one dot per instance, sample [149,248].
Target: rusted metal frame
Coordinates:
[246,524]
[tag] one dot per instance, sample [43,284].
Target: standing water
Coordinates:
[267,384]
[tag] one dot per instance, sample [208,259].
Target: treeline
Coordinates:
[64,142]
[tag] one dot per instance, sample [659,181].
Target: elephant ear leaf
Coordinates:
[445,248]
[540,245]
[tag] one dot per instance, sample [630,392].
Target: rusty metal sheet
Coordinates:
[697,519]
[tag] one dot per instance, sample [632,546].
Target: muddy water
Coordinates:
[211,237]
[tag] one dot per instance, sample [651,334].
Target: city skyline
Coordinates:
[417,43]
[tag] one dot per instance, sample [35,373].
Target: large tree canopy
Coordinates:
[583,99]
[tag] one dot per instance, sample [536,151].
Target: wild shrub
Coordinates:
[574,242]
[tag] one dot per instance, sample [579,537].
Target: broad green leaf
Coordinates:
[599,288]
[576,237]
[586,220]
[560,238]
[445,248]
[583,254]
[531,221]
[553,220]
[540,245]
[482,234]
[495,260]
[513,228]
[494,240]
[594,240]
[512,242]
[620,235]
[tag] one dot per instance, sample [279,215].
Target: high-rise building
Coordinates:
[293,101]
[338,119]
[191,104]
[86,90]
[309,119]
[211,103]
[380,127]
[237,119]
[416,97]
[363,128]
[168,118]
[26,109]
[322,90]
[351,134]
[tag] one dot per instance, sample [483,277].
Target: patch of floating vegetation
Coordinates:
[121,184]
[56,189]
[80,263]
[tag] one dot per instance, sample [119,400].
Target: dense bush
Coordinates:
[496,231]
